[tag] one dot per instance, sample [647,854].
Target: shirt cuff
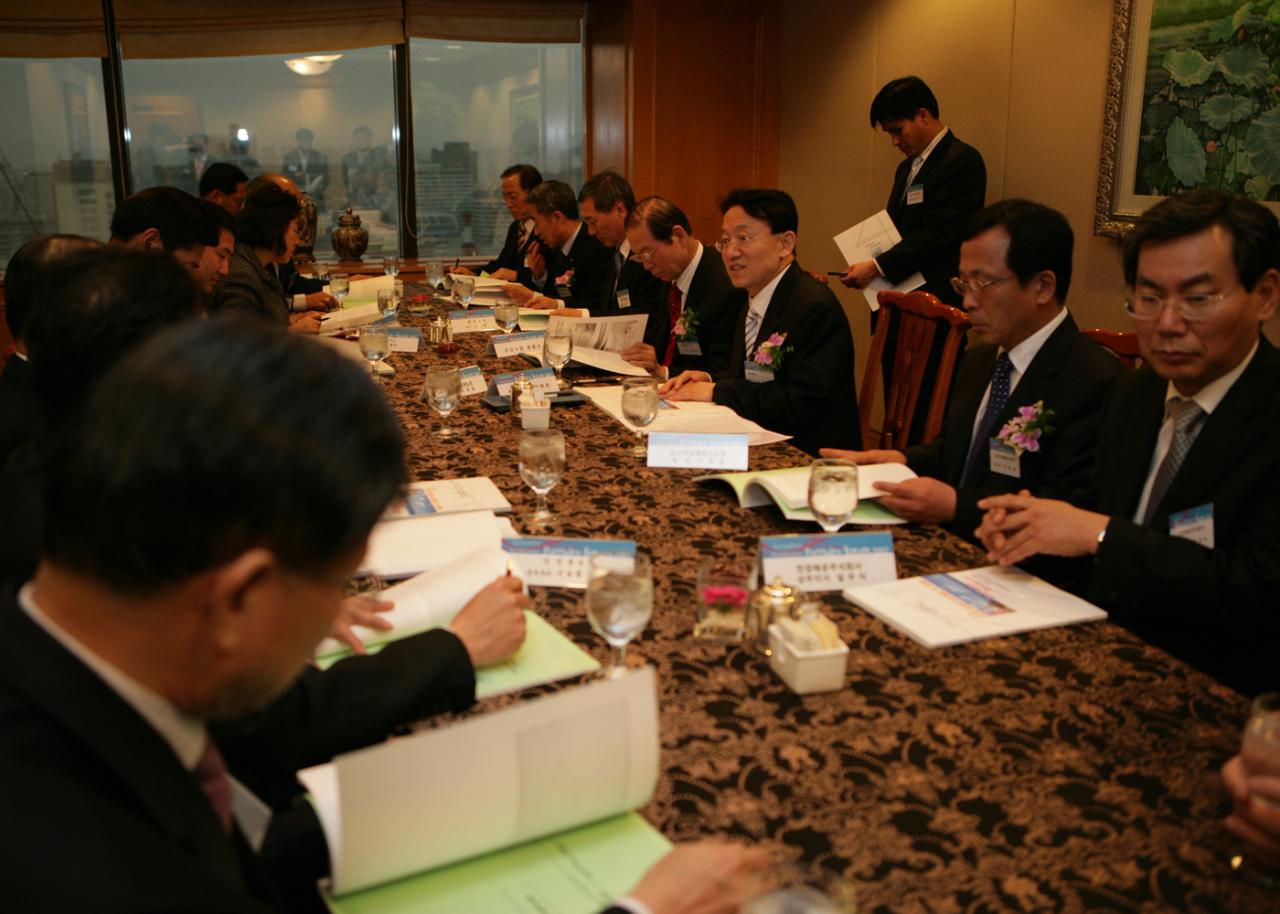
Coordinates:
[632,905]
[300,302]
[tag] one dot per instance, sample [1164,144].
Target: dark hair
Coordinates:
[660,216]
[530,177]
[175,214]
[1040,238]
[94,306]
[552,197]
[223,219]
[1255,232]
[766,204]
[303,132]
[900,99]
[173,467]
[222,177]
[267,212]
[25,273]
[606,190]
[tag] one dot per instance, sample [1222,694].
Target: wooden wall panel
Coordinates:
[608,98]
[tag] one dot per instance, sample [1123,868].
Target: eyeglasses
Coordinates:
[739,240]
[1148,306]
[976,286]
[642,256]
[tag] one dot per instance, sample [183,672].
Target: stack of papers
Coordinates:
[449,496]
[348,317]
[685,417]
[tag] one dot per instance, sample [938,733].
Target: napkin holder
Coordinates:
[806,672]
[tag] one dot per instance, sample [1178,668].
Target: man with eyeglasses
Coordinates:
[1182,535]
[1015,270]
[792,351]
[517,181]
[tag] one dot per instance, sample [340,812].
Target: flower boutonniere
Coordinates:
[565,278]
[1024,431]
[770,353]
[687,324]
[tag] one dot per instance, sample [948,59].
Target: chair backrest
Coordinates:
[1124,346]
[921,315]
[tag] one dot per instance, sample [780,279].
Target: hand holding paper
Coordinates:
[491,626]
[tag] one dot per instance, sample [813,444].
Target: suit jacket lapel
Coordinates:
[962,411]
[897,196]
[1134,449]
[772,319]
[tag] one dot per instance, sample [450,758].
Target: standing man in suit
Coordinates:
[939,184]
[567,265]
[1015,270]
[701,304]
[364,169]
[307,167]
[517,181]
[1182,525]
[792,352]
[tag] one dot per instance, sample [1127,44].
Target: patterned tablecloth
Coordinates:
[1066,770]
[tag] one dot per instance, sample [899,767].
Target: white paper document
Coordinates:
[367,288]
[601,359]
[685,416]
[490,782]
[449,496]
[938,610]
[347,318]
[791,487]
[408,546]
[612,334]
[868,240]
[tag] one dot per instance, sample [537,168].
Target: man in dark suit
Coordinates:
[1182,523]
[138,628]
[1015,270]
[364,170]
[307,167]
[567,265]
[225,185]
[701,305]
[939,184]
[792,352]
[517,181]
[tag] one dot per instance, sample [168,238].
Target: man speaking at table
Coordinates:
[792,368]
[1015,270]
[1182,524]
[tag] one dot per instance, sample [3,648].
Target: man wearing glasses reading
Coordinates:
[1015,270]
[1184,536]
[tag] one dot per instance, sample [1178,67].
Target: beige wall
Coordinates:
[1022,80]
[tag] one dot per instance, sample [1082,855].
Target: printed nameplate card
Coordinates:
[542,380]
[547,561]
[506,345]
[473,321]
[829,561]
[404,339]
[698,452]
[472,380]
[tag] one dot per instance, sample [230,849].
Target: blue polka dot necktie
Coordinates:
[996,403]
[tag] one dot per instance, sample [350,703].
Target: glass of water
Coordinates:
[391,266]
[619,603]
[435,274]
[833,492]
[443,389]
[339,286]
[1260,755]
[388,305]
[374,346]
[640,407]
[542,463]
[464,289]
[507,316]
[557,349]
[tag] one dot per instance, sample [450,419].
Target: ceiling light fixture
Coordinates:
[312,65]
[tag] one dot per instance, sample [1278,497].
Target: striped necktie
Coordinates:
[211,774]
[1187,416]
[752,329]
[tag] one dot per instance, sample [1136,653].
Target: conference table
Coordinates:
[1071,769]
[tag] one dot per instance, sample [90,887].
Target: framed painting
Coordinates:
[1193,100]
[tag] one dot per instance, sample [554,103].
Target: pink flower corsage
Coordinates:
[770,353]
[1024,431]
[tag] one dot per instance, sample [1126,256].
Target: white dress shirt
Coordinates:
[685,279]
[1021,356]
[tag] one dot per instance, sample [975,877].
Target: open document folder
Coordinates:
[411,809]
[868,240]
[685,416]
[406,546]
[788,488]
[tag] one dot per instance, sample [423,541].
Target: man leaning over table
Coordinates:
[1180,531]
[792,351]
[1033,365]
[703,305]
[567,263]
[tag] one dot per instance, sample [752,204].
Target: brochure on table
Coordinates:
[351,350]
[685,417]
[938,610]
[583,755]
[868,240]
[788,488]
[362,290]
[610,334]
[449,496]
[407,546]
[349,317]
[601,359]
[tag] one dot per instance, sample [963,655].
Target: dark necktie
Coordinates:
[1187,416]
[673,314]
[996,403]
[211,774]
[618,262]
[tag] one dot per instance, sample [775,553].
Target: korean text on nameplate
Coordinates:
[698,452]
[555,562]
[829,561]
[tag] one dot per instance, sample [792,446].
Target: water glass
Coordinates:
[322,272]
[374,346]
[640,407]
[339,286]
[833,492]
[542,464]
[435,274]
[391,266]
[557,349]
[507,316]
[464,289]
[387,303]
[1260,754]
[619,603]
[443,388]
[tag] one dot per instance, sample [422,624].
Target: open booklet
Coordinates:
[406,546]
[432,599]
[510,786]
[449,496]
[938,610]
[598,340]
[789,489]
[685,417]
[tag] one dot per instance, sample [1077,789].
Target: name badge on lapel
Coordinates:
[915,194]
[624,299]
[1195,524]
[564,291]
[1004,459]
[689,347]
[758,375]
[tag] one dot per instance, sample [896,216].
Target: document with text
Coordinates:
[868,240]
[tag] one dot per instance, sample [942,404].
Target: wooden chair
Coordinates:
[921,316]
[1124,346]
